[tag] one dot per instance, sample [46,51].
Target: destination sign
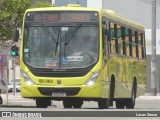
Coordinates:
[61,16]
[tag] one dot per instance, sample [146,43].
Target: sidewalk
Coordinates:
[148,98]
[17,100]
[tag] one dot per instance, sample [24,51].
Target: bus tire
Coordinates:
[43,102]
[67,103]
[1,100]
[103,103]
[130,103]
[112,90]
[120,104]
[77,103]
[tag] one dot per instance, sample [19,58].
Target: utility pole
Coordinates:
[153,53]
[13,76]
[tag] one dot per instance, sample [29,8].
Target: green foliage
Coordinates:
[11,10]
[41,4]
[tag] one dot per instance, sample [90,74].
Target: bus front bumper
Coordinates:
[61,92]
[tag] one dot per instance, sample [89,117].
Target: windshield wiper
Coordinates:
[73,35]
[57,41]
[52,36]
[48,32]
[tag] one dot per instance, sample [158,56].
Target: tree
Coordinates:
[12,11]
[41,4]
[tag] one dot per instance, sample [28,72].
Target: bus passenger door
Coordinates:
[105,48]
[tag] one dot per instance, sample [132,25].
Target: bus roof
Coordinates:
[65,8]
[122,19]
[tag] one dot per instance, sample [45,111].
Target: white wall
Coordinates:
[94,3]
[148,36]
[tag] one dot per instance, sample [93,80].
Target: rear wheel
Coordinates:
[43,102]
[130,103]
[103,103]
[120,104]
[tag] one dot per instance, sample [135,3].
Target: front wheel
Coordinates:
[43,102]
[103,103]
[67,103]
[77,103]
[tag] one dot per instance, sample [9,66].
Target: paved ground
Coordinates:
[142,102]
[16,100]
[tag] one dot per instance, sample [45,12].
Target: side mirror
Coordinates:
[108,33]
[16,35]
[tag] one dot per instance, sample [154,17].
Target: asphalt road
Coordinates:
[16,101]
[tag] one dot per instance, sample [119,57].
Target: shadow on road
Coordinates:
[17,106]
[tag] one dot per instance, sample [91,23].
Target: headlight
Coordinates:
[93,78]
[27,79]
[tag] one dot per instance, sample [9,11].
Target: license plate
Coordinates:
[58,94]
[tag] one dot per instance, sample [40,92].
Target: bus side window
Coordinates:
[120,40]
[130,42]
[105,40]
[140,45]
[107,37]
[127,41]
[136,38]
[113,38]
[143,45]
[123,40]
[133,44]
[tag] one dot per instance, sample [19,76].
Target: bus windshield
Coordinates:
[61,47]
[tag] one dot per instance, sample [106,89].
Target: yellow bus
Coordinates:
[78,54]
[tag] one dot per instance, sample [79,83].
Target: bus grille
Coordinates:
[68,91]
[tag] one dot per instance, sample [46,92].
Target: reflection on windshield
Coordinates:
[60,47]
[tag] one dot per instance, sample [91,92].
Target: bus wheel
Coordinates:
[1,100]
[43,102]
[120,104]
[103,103]
[67,103]
[77,104]
[130,103]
